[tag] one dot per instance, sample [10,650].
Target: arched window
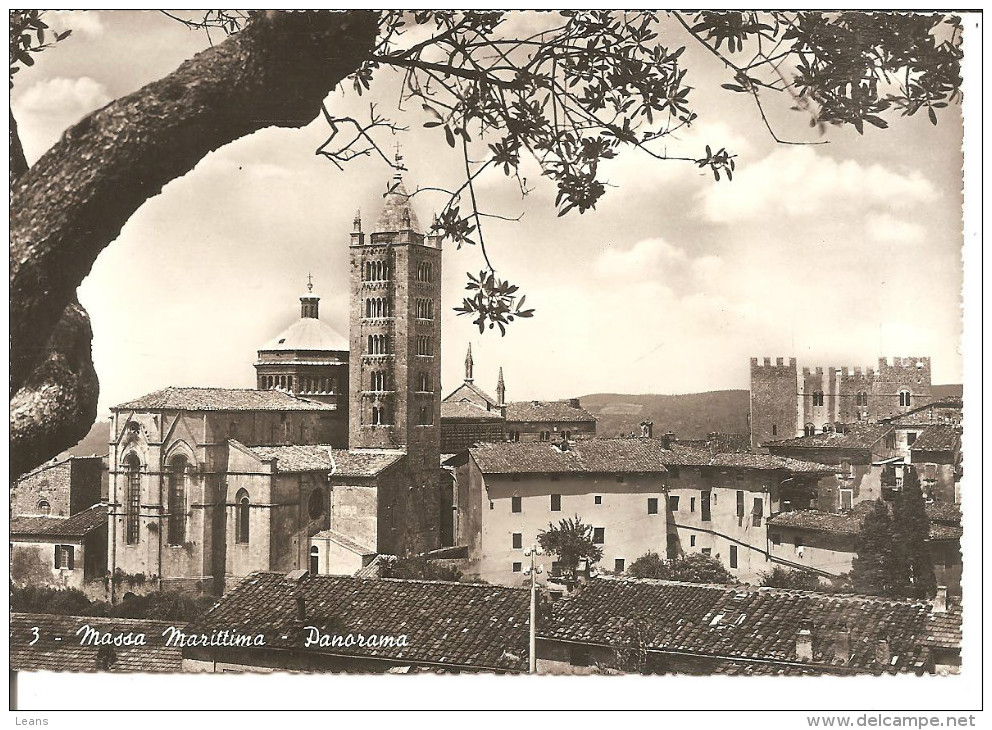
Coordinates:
[242,516]
[809,429]
[314,560]
[904,398]
[177,500]
[426,416]
[818,398]
[44,507]
[132,505]
[315,505]
[827,428]
[376,415]
[862,398]
[424,382]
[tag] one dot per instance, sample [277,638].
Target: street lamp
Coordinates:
[532,553]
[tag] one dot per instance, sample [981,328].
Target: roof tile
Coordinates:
[221,399]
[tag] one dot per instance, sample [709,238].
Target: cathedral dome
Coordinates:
[307,333]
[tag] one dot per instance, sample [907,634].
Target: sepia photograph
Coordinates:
[573,343]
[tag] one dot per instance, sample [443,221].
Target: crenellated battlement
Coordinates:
[779,366]
[914,362]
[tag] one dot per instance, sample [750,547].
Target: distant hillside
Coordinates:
[95,442]
[689,416]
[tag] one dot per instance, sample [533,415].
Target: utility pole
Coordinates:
[532,552]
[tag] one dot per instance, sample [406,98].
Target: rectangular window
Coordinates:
[515,504]
[673,503]
[652,505]
[618,565]
[740,503]
[517,567]
[757,511]
[692,541]
[704,506]
[598,499]
[692,504]
[733,556]
[910,438]
[707,551]
[65,557]
[556,503]
[518,540]
[599,535]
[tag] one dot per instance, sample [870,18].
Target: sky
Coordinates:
[834,253]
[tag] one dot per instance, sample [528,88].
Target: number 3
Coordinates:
[37,635]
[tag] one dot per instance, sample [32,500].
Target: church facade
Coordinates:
[340,439]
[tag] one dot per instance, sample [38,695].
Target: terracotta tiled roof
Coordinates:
[221,399]
[944,629]
[810,519]
[447,624]
[938,438]
[744,623]
[77,525]
[456,396]
[345,542]
[68,655]
[546,412]
[927,414]
[946,512]
[942,526]
[636,455]
[721,442]
[347,463]
[853,436]
[591,456]
[467,411]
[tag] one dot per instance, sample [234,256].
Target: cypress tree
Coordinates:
[872,569]
[911,531]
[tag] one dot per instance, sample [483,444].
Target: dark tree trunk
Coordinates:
[75,200]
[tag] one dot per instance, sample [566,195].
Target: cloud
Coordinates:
[640,259]
[887,228]
[83,22]
[799,182]
[63,97]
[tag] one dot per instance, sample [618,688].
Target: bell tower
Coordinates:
[395,336]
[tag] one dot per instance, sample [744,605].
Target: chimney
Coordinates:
[842,644]
[574,402]
[647,429]
[940,600]
[804,642]
[666,439]
[301,607]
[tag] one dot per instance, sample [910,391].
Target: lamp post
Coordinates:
[532,552]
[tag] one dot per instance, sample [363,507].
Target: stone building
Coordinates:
[522,420]
[787,401]
[341,438]
[640,495]
[59,488]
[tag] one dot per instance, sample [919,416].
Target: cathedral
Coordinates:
[332,459]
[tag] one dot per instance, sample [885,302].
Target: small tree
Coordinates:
[572,542]
[649,565]
[780,577]
[691,568]
[911,530]
[419,567]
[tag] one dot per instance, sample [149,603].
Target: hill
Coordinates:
[94,442]
[689,416]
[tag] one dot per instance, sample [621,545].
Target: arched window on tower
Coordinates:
[314,560]
[44,507]
[426,416]
[177,500]
[424,382]
[242,528]
[818,398]
[905,398]
[809,430]
[132,505]
[862,398]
